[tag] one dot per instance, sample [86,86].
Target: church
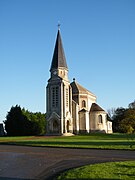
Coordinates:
[70,108]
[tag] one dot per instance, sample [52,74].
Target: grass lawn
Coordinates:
[111,170]
[95,140]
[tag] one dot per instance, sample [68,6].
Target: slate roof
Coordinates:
[58,59]
[77,88]
[95,107]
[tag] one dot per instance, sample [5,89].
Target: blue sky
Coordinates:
[99,42]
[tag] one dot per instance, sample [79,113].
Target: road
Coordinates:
[23,162]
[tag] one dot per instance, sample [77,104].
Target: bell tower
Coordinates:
[59,93]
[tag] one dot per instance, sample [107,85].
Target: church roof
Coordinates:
[58,59]
[96,107]
[77,88]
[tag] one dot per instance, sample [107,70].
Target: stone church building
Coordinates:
[70,108]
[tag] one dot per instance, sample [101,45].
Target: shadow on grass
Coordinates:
[126,173]
[109,136]
[61,178]
[126,166]
[74,143]
[9,178]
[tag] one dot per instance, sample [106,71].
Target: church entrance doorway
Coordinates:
[67,126]
[55,127]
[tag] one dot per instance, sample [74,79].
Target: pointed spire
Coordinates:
[58,59]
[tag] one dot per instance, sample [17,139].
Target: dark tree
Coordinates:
[117,118]
[20,122]
[16,123]
[38,122]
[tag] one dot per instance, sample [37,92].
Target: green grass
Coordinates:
[95,140]
[111,170]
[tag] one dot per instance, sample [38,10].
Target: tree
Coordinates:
[116,119]
[16,122]
[132,105]
[21,122]
[38,122]
[110,113]
[127,125]
[124,120]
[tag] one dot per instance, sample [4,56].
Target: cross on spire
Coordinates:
[58,25]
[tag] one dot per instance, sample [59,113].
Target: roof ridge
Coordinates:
[96,107]
[84,88]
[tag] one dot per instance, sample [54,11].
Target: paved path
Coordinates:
[22,163]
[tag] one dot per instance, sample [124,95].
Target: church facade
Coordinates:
[70,108]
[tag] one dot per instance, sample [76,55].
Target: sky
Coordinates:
[99,42]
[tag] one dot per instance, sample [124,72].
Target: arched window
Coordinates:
[83,103]
[100,119]
[55,93]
